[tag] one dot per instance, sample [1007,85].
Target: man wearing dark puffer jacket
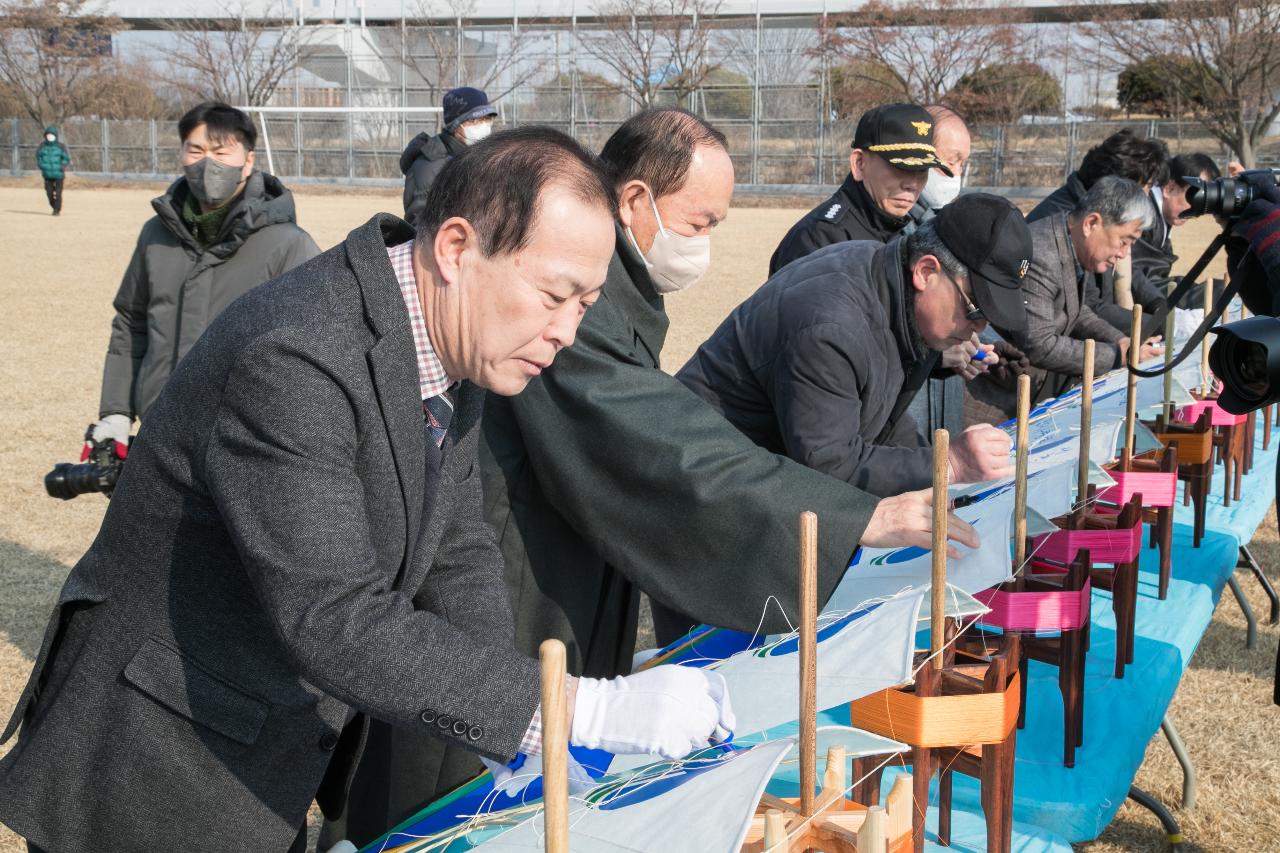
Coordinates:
[220,230]
[468,118]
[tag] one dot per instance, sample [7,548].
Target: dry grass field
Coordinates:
[55,305]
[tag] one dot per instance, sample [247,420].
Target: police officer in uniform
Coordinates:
[892,154]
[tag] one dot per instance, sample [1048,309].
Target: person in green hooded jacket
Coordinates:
[219,231]
[53,158]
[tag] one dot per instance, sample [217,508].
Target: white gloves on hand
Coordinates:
[667,710]
[112,426]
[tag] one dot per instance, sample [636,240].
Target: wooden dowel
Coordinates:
[1086,421]
[1131,400]
[808,661]
[941,502]
[775,831]
[1022,451]
[555,748]
[1167,409]
[872,834]
[834,777]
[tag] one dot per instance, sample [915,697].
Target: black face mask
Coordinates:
[212,183]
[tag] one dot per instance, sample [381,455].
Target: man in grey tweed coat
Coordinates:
[297,544]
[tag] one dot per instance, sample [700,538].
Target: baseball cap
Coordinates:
[988,235]
[465,103]
[902,134]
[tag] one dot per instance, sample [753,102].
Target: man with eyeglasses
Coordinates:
[1070,248]
[822,361]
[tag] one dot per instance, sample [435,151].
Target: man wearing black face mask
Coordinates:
[222,229]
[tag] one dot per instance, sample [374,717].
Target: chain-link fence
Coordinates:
[767,88]
[366,146]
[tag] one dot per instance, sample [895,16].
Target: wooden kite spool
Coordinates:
[824,820]
[1112,536]
[1154,476]
[1193,445]
[959,715]
[1048,605]
[1228,440]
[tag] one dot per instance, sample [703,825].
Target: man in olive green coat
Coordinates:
[607,477]
[220,230]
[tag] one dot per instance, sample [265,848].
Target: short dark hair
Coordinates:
[656,146]
[220,121]
[496,185]
[1142,160]
[1192,166]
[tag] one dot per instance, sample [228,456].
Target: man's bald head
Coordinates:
[950,137]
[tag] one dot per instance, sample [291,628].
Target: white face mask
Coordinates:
[939,190]
[675,261]
[473,133]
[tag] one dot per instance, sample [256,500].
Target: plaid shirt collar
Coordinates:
[431,376]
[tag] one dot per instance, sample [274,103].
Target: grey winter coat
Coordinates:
[286,555]
[1100,288]
[812,365]
[173,288]
[421,162]
[1058,323]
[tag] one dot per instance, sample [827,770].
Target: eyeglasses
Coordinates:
[972,312]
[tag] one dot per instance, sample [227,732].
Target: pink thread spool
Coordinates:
[1158,488]
[1058,610]
[1105,546]
[1220,417]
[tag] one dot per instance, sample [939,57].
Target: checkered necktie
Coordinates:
[439,411]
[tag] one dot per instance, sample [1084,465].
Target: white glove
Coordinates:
[112,426]
[668,710]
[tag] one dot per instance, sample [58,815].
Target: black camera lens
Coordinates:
[1246,357]
[67,481]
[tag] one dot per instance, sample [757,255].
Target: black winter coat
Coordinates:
[850,214]
[421,162]
[813,366]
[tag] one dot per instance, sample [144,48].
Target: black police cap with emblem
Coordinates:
[988,235]
[902,134]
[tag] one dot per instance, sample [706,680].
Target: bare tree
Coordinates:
[786,54]
[435,50]
[55,57]
[239,59]
[927,48]
[1232,80]
[655,45]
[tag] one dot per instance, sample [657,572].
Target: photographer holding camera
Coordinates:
[220,230]
[1246,354]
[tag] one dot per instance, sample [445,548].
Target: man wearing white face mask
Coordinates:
[607,477]
[952,141]
[220,230]
[468,118]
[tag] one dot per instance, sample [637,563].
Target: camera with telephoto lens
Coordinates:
[1227,197]
[1246,357]
[97,472]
